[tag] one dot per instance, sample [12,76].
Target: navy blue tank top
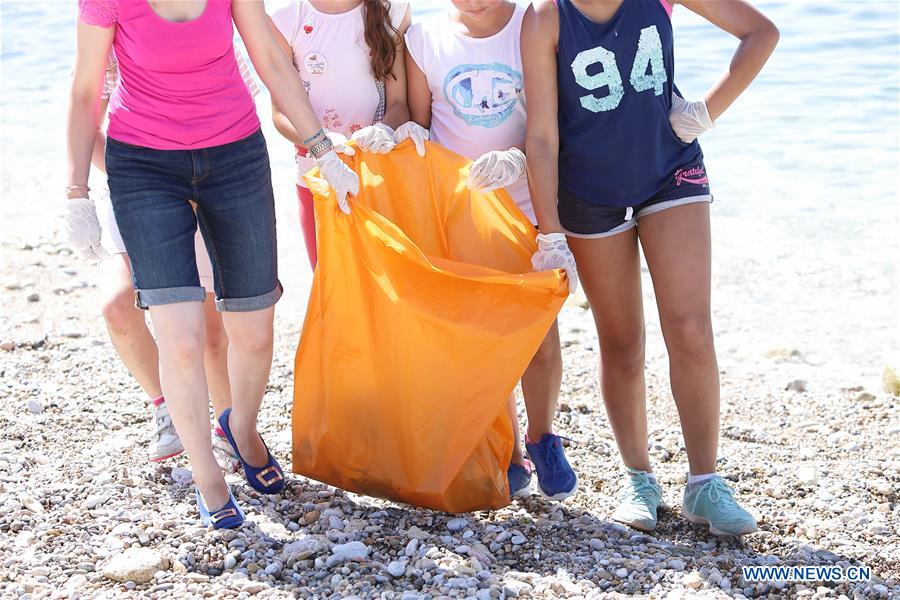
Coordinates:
[615,79]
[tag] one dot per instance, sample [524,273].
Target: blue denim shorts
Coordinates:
[151,191]
[589,220]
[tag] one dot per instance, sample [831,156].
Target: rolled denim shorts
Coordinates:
[231,184]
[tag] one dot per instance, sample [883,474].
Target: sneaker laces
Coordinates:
[163,420]
[718,492]
[555,459]
[635,490]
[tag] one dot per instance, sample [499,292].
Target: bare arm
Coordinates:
[98,156]
[397,112]
[758,37]
[418,94]
[84,115]
[274,68]
[282,124]
[540,32]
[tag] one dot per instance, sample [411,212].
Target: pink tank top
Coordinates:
[180,87]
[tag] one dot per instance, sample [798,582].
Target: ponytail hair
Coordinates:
[381,37]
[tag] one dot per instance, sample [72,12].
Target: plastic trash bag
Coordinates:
[422,317]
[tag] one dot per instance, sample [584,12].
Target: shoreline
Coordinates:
[76,488]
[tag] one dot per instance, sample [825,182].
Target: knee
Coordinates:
[548,355]
[624,354]
[252,339]
[119,311]
[186,350]
[216,338]
[689,336]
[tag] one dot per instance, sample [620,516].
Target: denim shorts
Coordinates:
[590,220]
[151,191]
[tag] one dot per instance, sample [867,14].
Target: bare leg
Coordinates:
[215,357]
[681,281]
[126,325]
[541,383]
[517,457]
[609,270]
[181,333]
[250,336]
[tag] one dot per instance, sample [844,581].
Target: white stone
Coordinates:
[622,573]
[94,500]
[134,564]
[397,568]
[34,406]
[351,551]
[411,548]
[518,540]
[676,565]
[456,524]
[808,475]
[693,580]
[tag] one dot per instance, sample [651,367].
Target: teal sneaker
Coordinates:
[638,501]
[712,503]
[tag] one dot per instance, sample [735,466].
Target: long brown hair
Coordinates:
[381,37]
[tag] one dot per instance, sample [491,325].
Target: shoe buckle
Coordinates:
[275,478]
[222,514]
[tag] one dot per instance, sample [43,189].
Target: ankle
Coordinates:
[535,435]
[696,480]
[157,401]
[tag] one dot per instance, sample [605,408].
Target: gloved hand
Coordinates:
[377,138]
[496,169]
[689,119]
[553,253]
[83,228]
[415,132]
[339,143]
[340,177]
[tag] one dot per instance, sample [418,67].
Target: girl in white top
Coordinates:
[465,85]
[349,56]
[127,325]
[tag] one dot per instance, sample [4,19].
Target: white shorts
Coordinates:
[111,240]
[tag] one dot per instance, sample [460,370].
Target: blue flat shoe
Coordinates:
[229,516]
[267,479]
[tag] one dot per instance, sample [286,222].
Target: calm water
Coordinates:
[804,169]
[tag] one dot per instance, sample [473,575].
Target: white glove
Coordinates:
[553,253]
[339,142]
[689,119]
[378,138]
[496,169]
[339,176]
[83,228]
[415,132]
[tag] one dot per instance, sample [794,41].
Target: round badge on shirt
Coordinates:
[315,63]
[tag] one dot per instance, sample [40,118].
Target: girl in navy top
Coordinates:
[613,160]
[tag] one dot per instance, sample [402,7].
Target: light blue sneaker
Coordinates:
[556,479]
[519,477]
[712,503]
[638,501]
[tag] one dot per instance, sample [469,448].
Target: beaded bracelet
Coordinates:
[315,136]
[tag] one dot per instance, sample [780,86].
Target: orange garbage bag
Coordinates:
[423,315]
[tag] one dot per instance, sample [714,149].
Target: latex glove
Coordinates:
[496,169]
[339,142]
[378,138]
[689,119]
[83,228]
[553,253]
[340,177]
[415,132]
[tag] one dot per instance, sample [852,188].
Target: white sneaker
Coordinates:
[165,443]
[225,454]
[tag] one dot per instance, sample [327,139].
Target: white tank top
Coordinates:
[477,90]
[332,58]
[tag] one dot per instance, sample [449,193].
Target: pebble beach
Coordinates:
[83,514]
[806,308]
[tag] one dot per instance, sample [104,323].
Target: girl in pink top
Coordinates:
[183,128]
